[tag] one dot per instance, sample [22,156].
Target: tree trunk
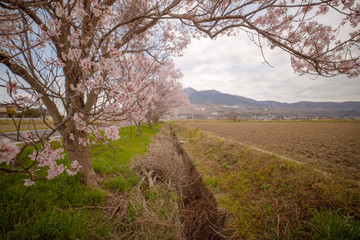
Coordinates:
[148,119]
[139,128]
[155,119]
[81,154]
[149,123]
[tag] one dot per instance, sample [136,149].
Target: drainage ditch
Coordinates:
[168,163]
[198,207]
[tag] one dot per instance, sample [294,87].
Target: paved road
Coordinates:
[41,133]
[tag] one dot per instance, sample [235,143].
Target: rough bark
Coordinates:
[79,152]
[82,155]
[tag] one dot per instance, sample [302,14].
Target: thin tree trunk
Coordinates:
[148,119]
[149,123]
[131,130]
[155,120]
[139,128]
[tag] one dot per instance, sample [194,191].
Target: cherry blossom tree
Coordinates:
[139,86]
[152,90]
[169,94]
[232,115]
[69,55]
[296,27]
[74,58]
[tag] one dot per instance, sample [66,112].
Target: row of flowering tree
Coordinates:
[94,64]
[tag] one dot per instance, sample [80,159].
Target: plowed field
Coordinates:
[333,147]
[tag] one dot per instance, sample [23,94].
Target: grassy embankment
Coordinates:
[65,208]
[272,198]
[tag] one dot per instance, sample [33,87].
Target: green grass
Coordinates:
[127,147]
[64,207]
[122,183]
[268,197]
[46,210]
[332,224]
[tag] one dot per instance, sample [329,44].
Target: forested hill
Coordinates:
[208,97]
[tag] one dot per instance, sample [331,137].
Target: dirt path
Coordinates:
[329,146]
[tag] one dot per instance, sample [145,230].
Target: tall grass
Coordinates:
[333,224]
[46,210]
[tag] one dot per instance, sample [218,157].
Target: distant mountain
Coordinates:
[208,97]
[215,97]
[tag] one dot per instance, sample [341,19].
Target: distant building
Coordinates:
[4,107]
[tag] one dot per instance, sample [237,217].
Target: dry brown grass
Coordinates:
[9,126]
[147,211]
[161,163]
[194,207]
[153,211]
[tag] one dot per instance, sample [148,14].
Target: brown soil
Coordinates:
[333,147]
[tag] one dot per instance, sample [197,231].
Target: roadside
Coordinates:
[7,125]
[22,136]
[150,190]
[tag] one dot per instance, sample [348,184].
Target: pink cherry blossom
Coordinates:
[74,168]
[28,135]
[71,136]
[112,133]
[29,182]
[8,150]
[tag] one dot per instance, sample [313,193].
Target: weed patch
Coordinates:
[116,157]
[336,224]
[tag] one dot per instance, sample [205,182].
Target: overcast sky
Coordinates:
[234,65]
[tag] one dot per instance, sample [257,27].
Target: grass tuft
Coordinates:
[330,224]
[122,183]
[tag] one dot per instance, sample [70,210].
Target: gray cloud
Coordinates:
[235,65]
